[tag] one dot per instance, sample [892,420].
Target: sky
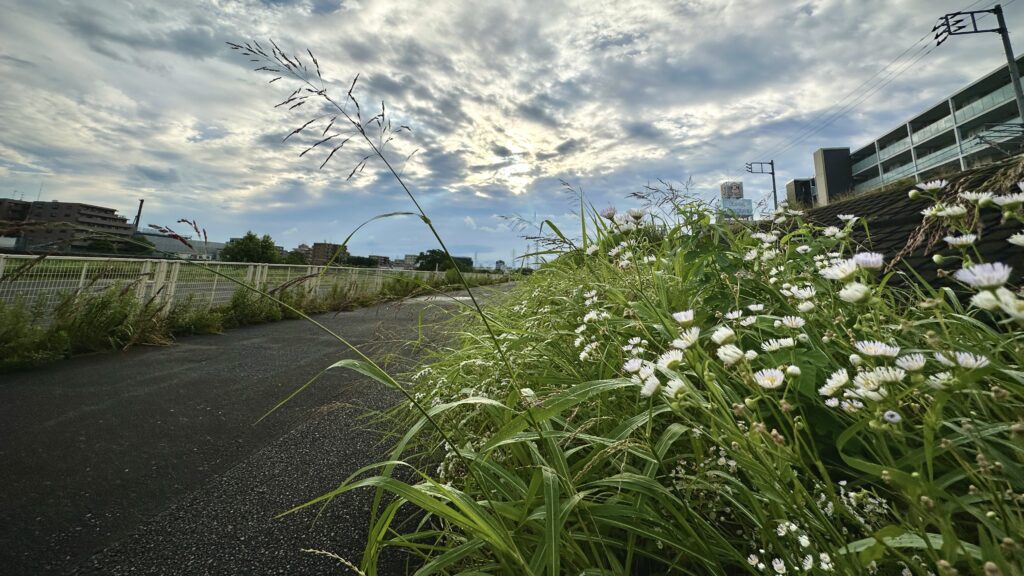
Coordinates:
[107,102]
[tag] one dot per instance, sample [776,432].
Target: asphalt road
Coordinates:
[150,461]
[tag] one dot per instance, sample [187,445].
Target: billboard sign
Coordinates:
[742,207]
[731,189]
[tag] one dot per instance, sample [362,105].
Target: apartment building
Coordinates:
[65,226]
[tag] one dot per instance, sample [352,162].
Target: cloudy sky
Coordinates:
[107,102]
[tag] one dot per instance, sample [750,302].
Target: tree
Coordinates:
[251,248]
[437,260]
[295,257]
[360,262]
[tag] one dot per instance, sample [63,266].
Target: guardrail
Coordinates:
[29,279]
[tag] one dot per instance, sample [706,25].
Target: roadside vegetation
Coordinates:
[113,318]
[676,395]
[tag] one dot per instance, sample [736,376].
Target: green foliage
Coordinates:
[295,257]
[189,317]
[110,319]
[251,248]
[248,307]
[360,262]
[23,341]
[435,259]
[638,426]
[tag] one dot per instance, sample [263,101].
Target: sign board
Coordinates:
[742,207]
[731,189]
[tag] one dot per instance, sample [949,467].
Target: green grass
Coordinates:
[608,436]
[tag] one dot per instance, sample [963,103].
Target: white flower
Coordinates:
[633,365]
[970,361]
[855,360]
[804,542]
[769,378]
[854,292]
[750,355]
[594,316]
[830,231]
[779,566]
[952,211]
[1017,239]
[892,417]
[1009,200]
[674,388]
[846,217]
[979,198]
[775,344]
[985,300]
[871,379]
[805,306]
[793,371]
[670,359]
[942,359]
[748,321]
[876,348]
[940,380]
[963,240]
[730,354]
[987,275]
[933,185]
[803,249]
[832,402]
[722,335]
[650,387]
[793,322]
[835,382]
[685,317]
[734,314]
[911,362]
[753,559]
[1010,304]
[842,270]
[825,561]
[803,292]
[869,260]
[755,307]
[686,338]
[591,250]
[527,393]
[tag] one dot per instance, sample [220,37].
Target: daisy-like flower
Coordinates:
[940,380]
[633,365]
[686,338]
[723,335]
[842,271]
[952,211]
[748,321]
[808,561]
[876,348]
[986,275]
[803,292]
[1009,200]
[932,211]
[1010,304]
[855,360]
[594,316]
[793,371]
[755,307]
[730,354]
[945,361]
[674,388]
[608,213]
[892,417]
[832,402]
[794,322]
[734,314]
[872,379]
[645,372]
[846,217]
[970,361]
[831,231]
[805,306]
[979,198]
[684,318]
[869,260]
[650,387]
[769,378]
[933,185]
[776,344]
[804,541]
[911,362]
[985,300]
[750,355]
[779,566]
[1017,239]
[962,240]
[804,249]
[854,292]
[670,359]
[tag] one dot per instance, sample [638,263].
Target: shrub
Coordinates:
[23,341]
[248,307]
[187,317]
[111,318]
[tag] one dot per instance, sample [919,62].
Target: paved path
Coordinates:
[149,461]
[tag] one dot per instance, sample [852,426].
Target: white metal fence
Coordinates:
[34,281]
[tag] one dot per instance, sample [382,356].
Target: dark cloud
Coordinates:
[499,150]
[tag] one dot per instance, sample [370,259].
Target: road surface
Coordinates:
[150,461]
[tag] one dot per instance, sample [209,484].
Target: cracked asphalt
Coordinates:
[150,461]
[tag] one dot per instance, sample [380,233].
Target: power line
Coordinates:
[810,129]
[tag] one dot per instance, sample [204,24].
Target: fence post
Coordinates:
[3,263]
[213,292]
[249,274]
[159,277]
[144,280]
[172,283]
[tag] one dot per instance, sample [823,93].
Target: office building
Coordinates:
[973,126]
[322,253]
[65,226]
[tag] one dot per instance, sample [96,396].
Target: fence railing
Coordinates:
[35,281]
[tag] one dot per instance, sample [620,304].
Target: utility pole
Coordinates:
[960,23]
[758,168]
